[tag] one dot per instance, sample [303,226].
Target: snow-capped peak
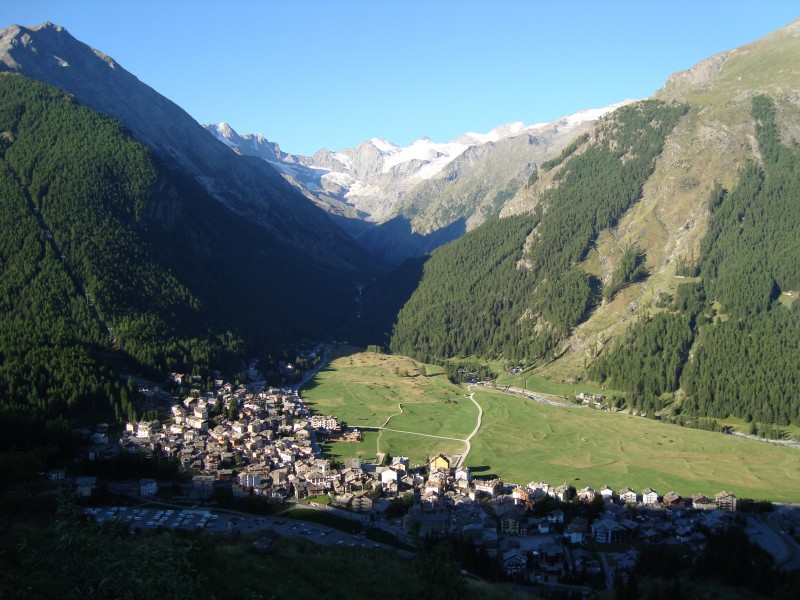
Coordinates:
[592,114]
[383,145]
[224,133]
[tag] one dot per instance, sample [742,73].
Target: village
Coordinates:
[254,440]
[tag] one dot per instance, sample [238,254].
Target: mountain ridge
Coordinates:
[252,188]
[432,185]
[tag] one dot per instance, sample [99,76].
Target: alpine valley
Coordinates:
[640,259]
[404,202]
[649,245]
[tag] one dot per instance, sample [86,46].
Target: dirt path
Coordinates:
[463,458]
[438,437]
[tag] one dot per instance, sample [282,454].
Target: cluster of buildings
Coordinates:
[251,438]
[538,530]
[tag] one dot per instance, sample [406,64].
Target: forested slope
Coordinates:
[108,259]
[743,319]
[514,288]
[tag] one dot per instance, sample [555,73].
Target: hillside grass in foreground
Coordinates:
[521,441]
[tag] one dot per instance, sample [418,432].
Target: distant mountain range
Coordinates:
[251,188]
[404,201]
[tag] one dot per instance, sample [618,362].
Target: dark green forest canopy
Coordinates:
[483,295]
[108,260]
[745,358]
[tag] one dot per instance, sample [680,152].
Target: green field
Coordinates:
[366,389]
[533,382]
[521,440]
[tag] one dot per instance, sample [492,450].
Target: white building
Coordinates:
[324,422]
[628,496]
[145,429]
[464,473]
[649,496]
[249,480]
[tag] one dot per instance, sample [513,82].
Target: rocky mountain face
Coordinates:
[250,187]
[404,201]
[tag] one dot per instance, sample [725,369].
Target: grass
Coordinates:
[536,383]
[523,441]
[418,449]
[323,499]
[323,518]
[299,570]
[367,389]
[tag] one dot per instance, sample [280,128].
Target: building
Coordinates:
[148,488]
[606,531]
[362,504]
[202,486]
[628,496]
[85,486]
[463,474]
[493,487]
[324,422]
[144,429]
[649,497]
[400,462]
[587,495]
[514,561]
[607,493]
[439,463]
[249,480]
[726,501]
[562,493]
[702,502]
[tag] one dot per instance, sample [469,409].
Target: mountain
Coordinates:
[405,201]
[657,254]
[120,255]
[250,187]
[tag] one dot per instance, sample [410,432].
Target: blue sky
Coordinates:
[313,74]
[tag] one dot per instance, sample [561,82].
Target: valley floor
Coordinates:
[521,439]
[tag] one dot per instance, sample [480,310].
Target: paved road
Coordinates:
[228,522]
[307,377]
[767,538]
[771,536]
[296,389]
[540,399]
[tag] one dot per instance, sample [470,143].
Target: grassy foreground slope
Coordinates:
[521,440]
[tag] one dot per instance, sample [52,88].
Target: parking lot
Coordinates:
[145,519]
[153,518]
